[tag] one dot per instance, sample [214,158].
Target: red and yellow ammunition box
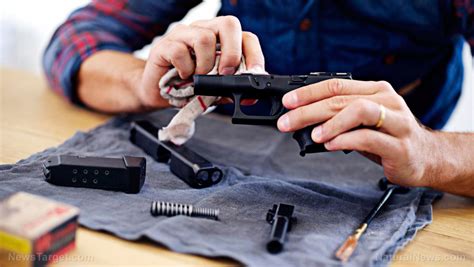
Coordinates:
[35,230]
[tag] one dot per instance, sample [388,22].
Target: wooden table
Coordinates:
[32,118]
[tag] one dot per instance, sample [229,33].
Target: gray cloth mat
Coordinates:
[332,192]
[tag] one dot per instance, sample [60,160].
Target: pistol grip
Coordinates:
[307,145]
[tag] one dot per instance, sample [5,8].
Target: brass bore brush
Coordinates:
[349,246]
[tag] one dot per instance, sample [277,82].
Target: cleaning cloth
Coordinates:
[331,192]
[180,93]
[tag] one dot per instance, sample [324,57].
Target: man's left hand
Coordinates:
[400,144]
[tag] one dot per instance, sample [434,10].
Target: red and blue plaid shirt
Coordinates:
[373,40]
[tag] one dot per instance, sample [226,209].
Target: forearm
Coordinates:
[453,163]
[104,26]
[108,82]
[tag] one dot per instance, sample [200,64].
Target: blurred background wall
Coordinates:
[27,25]
[25,28]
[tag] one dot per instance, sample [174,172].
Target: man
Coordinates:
[414,45]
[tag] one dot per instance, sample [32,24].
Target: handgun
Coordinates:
[257,86]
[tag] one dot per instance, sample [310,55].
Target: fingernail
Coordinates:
[227,71]
[290,100]
[328,145]
[284,123]
[317,134]
[257,69]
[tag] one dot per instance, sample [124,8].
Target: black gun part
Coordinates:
[281,218]
[384,184]
[126,174]
[273,87]
[189,166]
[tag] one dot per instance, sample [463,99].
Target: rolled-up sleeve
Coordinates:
[120,25]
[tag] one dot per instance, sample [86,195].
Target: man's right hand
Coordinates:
[115,82]
[201,37]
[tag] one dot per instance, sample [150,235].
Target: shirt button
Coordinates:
[305,24]
[233,2]
[389,59]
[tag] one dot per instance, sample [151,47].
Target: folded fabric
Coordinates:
[180,93]
[331,192]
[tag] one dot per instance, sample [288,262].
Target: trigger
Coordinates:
[277,107]
[237,98]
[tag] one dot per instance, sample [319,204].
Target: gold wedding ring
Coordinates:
[382,117]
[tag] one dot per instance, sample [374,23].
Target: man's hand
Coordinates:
[405,149]
[111,81]
[201,37]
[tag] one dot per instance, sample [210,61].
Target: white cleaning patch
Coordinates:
[180,93]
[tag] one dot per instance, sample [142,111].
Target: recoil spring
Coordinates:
[173,209]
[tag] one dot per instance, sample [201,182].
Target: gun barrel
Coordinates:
[278,235]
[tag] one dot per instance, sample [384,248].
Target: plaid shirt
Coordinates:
[129,25]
